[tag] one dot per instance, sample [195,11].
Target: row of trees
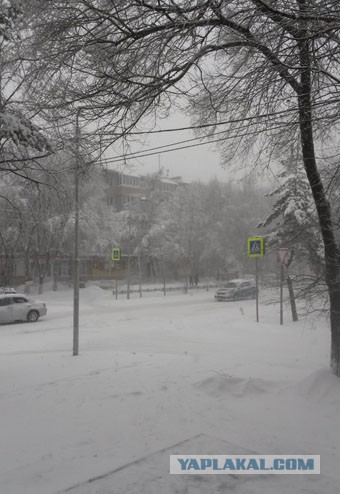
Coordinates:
[266,74]
[201,229]
[36,220]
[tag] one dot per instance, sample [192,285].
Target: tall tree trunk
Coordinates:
[332,273]
[292,299]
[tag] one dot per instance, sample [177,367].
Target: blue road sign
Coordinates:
[255,247]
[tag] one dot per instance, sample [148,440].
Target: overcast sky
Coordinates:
[201,162]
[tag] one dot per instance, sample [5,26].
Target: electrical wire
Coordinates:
[161,150]
[279,114]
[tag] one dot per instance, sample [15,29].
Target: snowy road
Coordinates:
[151,373]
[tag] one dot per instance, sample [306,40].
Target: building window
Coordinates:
[129,180]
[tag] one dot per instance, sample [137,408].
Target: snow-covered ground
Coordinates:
[157,376]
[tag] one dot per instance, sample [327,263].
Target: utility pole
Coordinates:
[129,255]
[76,241]
[257,288]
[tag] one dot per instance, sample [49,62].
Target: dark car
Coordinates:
[236,290]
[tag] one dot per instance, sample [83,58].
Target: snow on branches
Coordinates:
[14,126]
[9,11]
[22,131]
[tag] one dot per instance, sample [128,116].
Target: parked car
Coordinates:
[7,289]
[17,307]
[236,290]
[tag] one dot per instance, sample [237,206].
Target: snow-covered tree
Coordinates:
[10,236]
[9,11]
[99,226]
[39,215]
[22,141]
[293,220]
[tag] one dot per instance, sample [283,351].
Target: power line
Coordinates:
[225,122]
[136,156]
[203,126]
[158,150]
[165,146]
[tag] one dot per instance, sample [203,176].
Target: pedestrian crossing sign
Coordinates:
[116,254]
[255,247]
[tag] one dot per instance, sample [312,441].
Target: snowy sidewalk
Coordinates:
[150,474]
[151,374]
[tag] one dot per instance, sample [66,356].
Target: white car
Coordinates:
[6,289]
[17,307]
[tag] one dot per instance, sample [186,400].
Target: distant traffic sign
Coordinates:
[255,247]
[116,254]
[282,255]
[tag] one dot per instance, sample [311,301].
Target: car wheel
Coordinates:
[32,316]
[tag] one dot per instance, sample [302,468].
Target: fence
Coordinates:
[127,290]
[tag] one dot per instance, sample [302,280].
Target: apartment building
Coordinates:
[123,188]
